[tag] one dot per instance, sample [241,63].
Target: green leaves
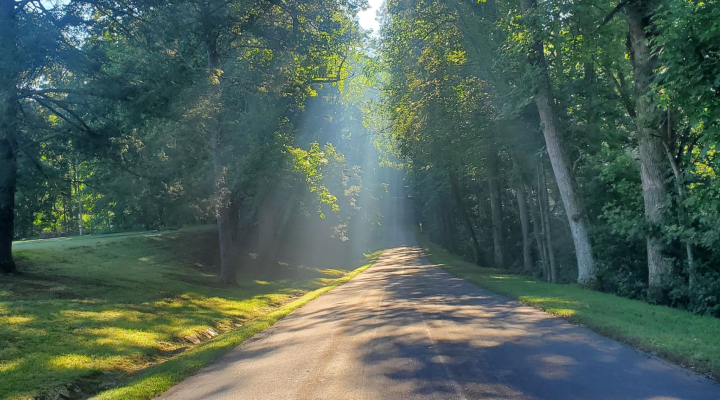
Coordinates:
[310,164]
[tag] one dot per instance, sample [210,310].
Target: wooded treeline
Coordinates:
[575,141]
[133,115]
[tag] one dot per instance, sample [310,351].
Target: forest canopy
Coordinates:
[574,141]
[571,141]
[141,115]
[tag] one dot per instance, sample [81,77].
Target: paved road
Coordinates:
[405,329]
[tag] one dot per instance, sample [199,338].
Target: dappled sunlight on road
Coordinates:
[407,329]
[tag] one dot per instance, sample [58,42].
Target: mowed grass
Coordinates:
[125,307]
[687,339]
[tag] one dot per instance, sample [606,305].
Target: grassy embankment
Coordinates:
[687,339]
[115,313]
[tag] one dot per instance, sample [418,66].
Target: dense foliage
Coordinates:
[147,115]
[572,141]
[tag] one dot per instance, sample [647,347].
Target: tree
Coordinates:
[572,199]
[46,78]
[649,131]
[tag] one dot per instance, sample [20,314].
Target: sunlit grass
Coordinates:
[685,338]
[126,305]
[161,377]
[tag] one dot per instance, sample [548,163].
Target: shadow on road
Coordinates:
[407,329]
[442,335]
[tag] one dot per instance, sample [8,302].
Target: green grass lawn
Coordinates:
[689,340]
[118,312]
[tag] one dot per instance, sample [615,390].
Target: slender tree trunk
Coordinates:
[81,220]
[572,200]
[80,213]
[651,149]
[8,183]
[223,218]
[222,192]
[545,215]
[439,233]
[538,233]
[493,173]
[234,212]
[65,218]
[450,229]
[465,217]
[682,216]
[520,195]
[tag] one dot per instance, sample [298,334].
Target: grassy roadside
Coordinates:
[134,315]
[689,340]
[162,377]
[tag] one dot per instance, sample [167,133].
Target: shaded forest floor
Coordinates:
[690,340]
[133,313]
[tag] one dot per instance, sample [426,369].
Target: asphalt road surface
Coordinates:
[405,329]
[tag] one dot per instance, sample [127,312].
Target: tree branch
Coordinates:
[612,13]
[39,165]
[37,142]
[67,109]
[622,93]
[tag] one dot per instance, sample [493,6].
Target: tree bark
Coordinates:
[9,79]
[651,148]
[8,183]
[493,178]
[572,200]
[521,196]
[465,217]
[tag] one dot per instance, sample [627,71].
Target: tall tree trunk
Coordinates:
[520,195]
[223,218]
[651,148]
[8,183]
[493,174]
[222,192]
[465,217]
[545,215]
[572,200]
[9,80]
